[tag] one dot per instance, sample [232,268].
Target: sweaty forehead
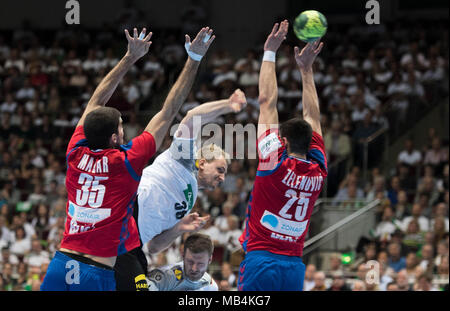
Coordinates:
[196,256]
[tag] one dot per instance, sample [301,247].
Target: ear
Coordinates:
[285,142]
[201,163]
[114,139]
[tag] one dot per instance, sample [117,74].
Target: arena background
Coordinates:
[381,87]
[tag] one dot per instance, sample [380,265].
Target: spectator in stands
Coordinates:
[392,286]
[442,269]
[416,213]
[337,144]
[409,155]
[308,282]
[338,283]
[21,244]
[228,275]
[406,177]
[8,257]
[411,264]
[359,285]
[424,283]
[436,155]
[378,186]
[231,238]
[441,211]
[439,231]
[387,226]
[319,281]
[37,256]
[402,281]
[395,260]
[403,207]
[413,239]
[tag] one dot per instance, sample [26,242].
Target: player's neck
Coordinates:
[297,155]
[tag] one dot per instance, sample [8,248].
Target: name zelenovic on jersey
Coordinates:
[87,164]
[303,183]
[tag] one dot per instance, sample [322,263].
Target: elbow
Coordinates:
[266,100]
[153,248]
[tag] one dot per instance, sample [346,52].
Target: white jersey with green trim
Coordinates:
[168,189]
[173,278]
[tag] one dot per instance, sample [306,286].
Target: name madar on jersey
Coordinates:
[303,183]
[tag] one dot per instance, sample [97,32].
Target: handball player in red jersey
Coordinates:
[291,171]
[103,175]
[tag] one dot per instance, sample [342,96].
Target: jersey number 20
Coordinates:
[91,191]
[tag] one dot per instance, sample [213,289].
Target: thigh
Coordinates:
[261,273]
[130,273]
[293,276]
[94,279]
[258,274]
[55,277]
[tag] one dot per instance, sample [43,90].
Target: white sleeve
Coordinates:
[151,219]
[184,151]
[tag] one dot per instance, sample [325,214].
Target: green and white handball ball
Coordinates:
[310,25]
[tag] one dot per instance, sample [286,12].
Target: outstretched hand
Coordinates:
[201,42]
[192,223]
[237,101]
[305,58]
[138,46]
[277,36]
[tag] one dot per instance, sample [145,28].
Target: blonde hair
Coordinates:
[212,152]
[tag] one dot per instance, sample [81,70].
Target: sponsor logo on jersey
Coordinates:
[156,276]
[283,226]
[178,273]
[88,214]
[189,195]
[141,282]
[269,144]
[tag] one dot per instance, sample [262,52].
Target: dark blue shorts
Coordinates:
[67,274]
[266,271]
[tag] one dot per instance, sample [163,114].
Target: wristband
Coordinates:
[269,56]
[194,56]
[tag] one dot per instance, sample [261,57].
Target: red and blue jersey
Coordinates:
[283,196]
[101,190]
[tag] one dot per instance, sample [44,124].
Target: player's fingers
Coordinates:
[210,40]
[127,35]
[296,50]
[187,38]
[135,33]
[274,29]
[203,33]
[150,34]
[142,34]
[317,51]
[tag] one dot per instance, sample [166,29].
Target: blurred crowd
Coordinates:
[367,80]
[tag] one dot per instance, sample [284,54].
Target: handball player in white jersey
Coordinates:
[168,187]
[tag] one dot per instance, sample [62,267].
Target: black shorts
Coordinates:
[130,271]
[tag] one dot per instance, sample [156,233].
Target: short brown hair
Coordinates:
[198,243]
[99,125]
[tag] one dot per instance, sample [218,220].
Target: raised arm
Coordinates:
[310,101]
[268,89]
[161,122]
[210,111]
[136,49]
